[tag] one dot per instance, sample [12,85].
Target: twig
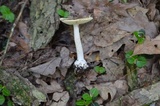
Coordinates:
[12,30]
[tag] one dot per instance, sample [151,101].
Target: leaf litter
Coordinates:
[104,40]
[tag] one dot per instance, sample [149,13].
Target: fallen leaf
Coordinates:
[121,86]
[60,98]
[121,9]
[152,11]
[23,29]
[107,90]
[63,96]
[108,37]
[46,88]
[66,60]
[93,56]
[25,37]
[114,67]
[48,68]
[133,11]
[21,41]
[138,22]
[91,75]
[150,46]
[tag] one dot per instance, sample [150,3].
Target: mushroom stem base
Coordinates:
[82,64]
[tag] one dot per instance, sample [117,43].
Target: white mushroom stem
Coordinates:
[80,62]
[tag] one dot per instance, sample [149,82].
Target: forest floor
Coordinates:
[121,46]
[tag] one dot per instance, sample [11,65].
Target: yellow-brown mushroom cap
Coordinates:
[75,21]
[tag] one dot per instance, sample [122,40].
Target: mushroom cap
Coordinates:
[76,21]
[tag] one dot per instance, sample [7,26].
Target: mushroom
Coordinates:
[80,62]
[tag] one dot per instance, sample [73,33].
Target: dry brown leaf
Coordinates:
[23,29]
[150,46]
[106,78]
[114,67]
[66,60]
[152,11]
[53,87]
[91,75]
[21,41]
[138,22]
[121,9]
[63,96]
[48,68]
[60,98]
[107,90]
[133,11]
[121,86]
[109,35]
[24,38]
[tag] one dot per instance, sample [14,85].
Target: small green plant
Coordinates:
[63,13]
[99,69]
[124,1]
[88,98]
[140,35]
[6,13]
[110,0]
[4,96]
[139,60]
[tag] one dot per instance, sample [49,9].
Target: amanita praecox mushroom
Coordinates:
[80,62]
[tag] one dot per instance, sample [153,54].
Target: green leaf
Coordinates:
[2,99]
[131,60]
[61,12]
[6,13]
[141,40]
[86,97]
[136,33]
[4,9]
[94,92]
[140,35]
[80,103]
[125,1]
[66,14]
[142,32]
[129,54]
[9,103]
[9,17]
[88,102]
[141,61]
[5,92]
[110,0]
[99,69]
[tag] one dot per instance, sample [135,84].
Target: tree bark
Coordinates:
[44,21]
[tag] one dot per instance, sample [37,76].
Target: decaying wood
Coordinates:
[139,97]
[22,91]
